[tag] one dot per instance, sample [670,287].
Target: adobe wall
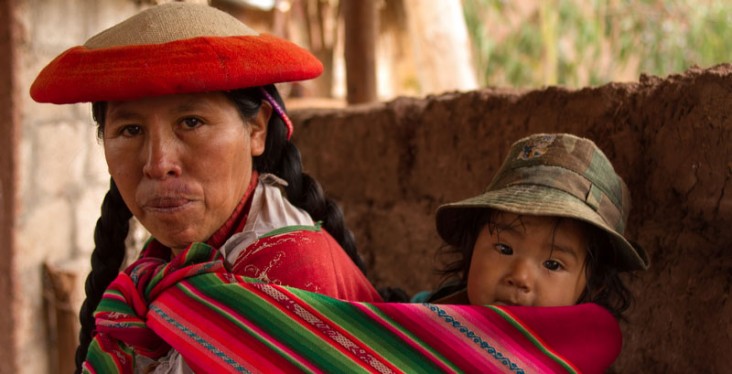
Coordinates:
[390,165]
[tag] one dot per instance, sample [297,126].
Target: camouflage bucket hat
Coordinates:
[555,175]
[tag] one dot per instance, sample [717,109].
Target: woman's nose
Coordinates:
[162,159]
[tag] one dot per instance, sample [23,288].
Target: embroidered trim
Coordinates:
[476,339]
[288,229]
[324,327]
[198,339]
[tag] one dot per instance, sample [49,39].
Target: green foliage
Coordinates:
[590,42]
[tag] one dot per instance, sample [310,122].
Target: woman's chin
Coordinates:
[178,238]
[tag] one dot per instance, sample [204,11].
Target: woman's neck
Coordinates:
[234,223]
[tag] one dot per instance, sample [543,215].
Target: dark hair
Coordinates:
[280,157]
[106,259]
[604,284]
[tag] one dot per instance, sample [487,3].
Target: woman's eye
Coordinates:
[131,130]
[504,249]
[552,265]
[191,122]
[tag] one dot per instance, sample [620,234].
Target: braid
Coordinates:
[310,197]
[109,239]
[282,158]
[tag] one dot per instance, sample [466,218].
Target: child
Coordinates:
[548,231]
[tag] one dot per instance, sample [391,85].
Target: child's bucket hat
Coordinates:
[174,48]
[555,175]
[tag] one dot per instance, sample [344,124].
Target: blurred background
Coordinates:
[429,46]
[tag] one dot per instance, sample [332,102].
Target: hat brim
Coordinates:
[194,65]
[538,201]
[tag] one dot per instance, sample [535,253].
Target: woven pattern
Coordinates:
[220,323]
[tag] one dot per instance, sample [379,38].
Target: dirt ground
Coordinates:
[390,165]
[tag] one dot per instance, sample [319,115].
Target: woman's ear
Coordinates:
[258,129]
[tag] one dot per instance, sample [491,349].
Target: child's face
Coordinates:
[528,260]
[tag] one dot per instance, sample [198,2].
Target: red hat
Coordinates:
[172,48]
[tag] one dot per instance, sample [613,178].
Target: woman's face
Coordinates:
[182,162]
[528,260]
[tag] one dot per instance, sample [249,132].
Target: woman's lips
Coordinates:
[166,204]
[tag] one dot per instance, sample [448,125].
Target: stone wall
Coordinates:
[390,165]
[62,175]
[9,102]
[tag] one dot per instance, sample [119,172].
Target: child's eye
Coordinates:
[504,249]
[552,265]
[191,122]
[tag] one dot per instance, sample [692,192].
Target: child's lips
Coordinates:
[505,303]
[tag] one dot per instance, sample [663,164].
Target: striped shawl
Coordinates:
[220,323]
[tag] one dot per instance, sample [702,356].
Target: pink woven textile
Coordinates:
[220,322]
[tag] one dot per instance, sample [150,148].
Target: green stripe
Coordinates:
[287,229]
[277,324]
[435,353]
[205,284]
[372,333]
[289,332]
[103,362]
[114,305]
[520,327]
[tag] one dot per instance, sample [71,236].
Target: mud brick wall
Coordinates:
[391,165]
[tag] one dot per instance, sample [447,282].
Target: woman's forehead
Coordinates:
[172,103]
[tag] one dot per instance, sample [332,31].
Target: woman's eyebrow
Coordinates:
[192,105]
[187,107]
[122,114]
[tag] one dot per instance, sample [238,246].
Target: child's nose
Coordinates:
[520,275]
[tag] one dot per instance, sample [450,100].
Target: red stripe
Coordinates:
[334,327]
[215,330]
[539,340]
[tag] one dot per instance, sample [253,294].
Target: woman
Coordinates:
[197,143]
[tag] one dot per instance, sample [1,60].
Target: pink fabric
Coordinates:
[562,337]
[220,322]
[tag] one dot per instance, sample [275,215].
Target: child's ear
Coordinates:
[258,129]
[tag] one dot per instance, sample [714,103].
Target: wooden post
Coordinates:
[63,298]
[441,46]
[11,105]
[360,20]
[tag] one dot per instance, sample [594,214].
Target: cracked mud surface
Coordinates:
[390,165]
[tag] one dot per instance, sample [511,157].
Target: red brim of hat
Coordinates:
[193,65]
